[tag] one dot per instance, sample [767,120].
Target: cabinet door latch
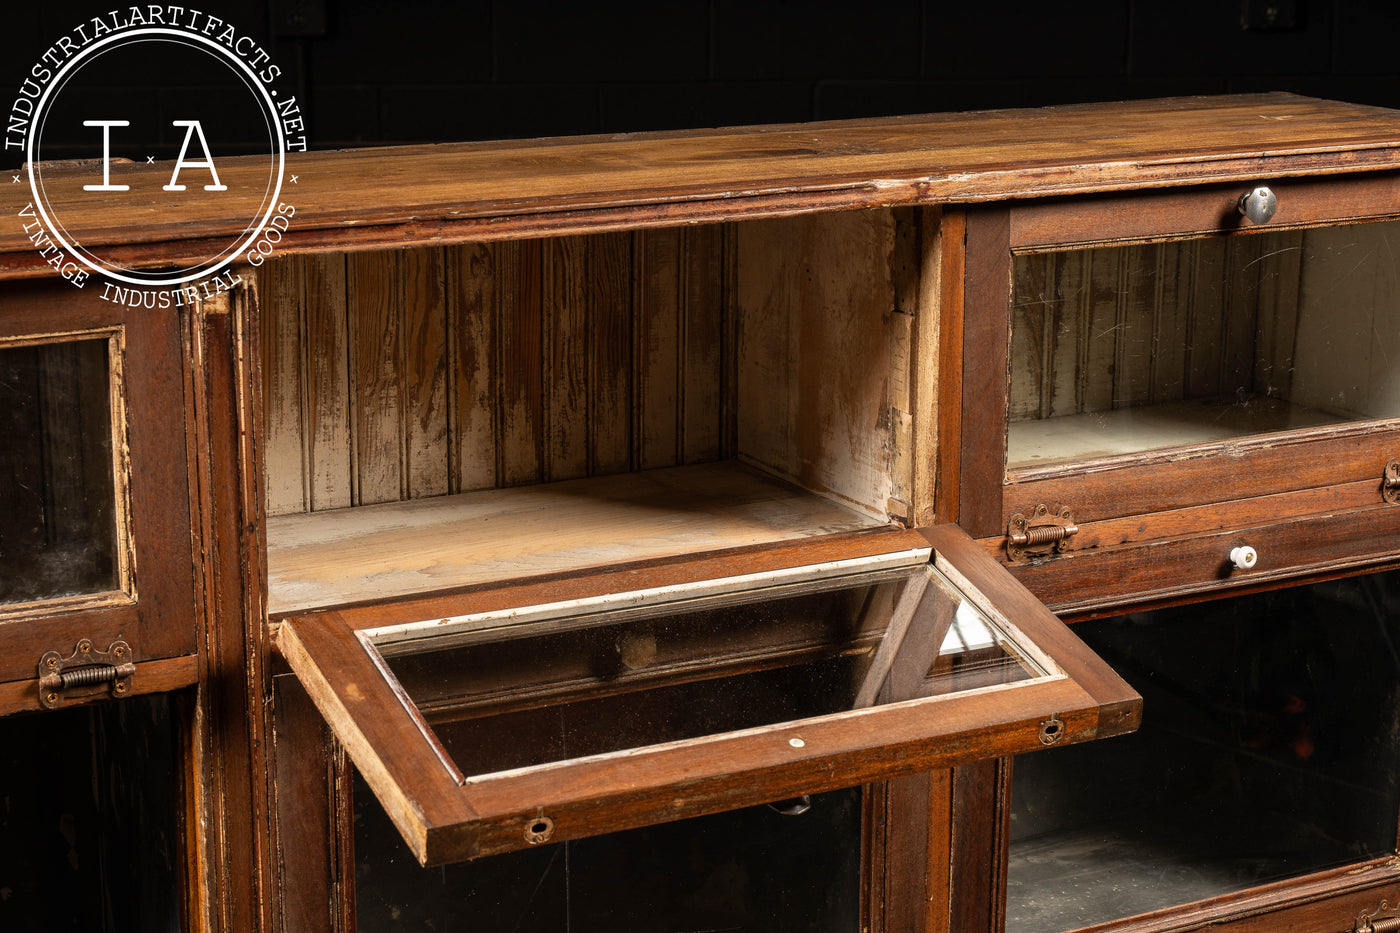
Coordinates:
[85,673]
[1370,921]
[1045,531]
[1390,482]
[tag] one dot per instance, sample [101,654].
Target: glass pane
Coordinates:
[1124,349]
[57,494]
[90,834]
[504,696]
[751,869]
[1269,748]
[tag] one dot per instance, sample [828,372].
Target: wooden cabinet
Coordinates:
[560,556]
[1179,428]
[1182,382]
[620,525]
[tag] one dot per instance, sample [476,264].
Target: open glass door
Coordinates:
[513,715]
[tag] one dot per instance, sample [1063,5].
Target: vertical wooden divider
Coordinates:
[237,874]
[977,871]
[986,297]
[944,394]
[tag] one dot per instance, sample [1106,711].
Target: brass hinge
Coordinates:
[1370,921]
[85,673]
[1045,531]
[1390,482]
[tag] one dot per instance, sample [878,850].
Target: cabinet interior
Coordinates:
[442,416]
[766,867]
[90,837]
[1124,349]
[1269,749]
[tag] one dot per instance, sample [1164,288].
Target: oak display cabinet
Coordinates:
[776,528]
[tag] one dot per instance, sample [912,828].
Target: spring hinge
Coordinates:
[85,673]
[1390,482]
[1369,921]
[1045,531]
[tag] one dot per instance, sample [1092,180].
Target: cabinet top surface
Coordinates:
[389,196]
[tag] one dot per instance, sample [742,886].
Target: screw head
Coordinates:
[51,662]
[53,697]
[119,687]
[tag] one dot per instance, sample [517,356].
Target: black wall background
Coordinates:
[431,70]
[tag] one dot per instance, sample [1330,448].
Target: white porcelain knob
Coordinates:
[1244,557]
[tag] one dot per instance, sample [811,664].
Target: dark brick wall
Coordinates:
[428,70]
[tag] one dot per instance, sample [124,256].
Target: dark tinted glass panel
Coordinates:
[1124,349]
[57,498]
[1270,748]
[89,836]
[754,869]
[518,695]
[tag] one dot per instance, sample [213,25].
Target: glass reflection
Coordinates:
[1118,350]
[751,869]
[57,489]
[514,695]
[1269,749]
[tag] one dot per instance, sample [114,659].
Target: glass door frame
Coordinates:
[152,608]
[446,817]
[1199,496]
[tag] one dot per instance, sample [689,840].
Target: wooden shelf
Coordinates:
[1076,878]
[1153,427]
[400,548]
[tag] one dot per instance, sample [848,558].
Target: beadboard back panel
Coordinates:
[408,374]
[1308,317]
[404,374]
[1108,328]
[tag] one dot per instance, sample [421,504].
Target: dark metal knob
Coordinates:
[793,806]
[1259,205]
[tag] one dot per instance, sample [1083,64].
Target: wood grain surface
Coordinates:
[423,372]
[395,549]
[458,192]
